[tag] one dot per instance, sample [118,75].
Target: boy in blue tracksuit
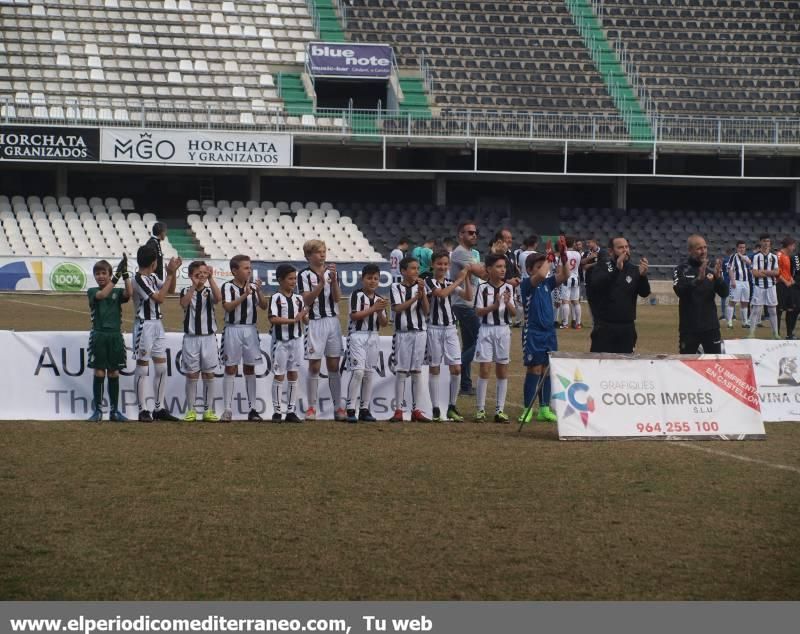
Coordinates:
[539,333]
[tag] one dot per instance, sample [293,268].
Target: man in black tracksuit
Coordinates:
[616,284]
[696,286]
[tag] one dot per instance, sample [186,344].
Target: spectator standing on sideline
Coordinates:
[696,286]
[424,254]
[158,235]
[765,293]
[397,254]
[464,256]
[617,284]
[785,282]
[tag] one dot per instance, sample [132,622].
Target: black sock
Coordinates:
[113,392]
[97,390]
[791,322]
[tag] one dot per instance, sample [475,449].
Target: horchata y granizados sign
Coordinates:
[678,397]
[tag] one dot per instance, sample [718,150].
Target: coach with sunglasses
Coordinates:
[464,256]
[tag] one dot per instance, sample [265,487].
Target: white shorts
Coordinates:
[149,340]
[494,343]
[741,293]
[408,350]
[240,344]
[443,344]
[765,296]
[323,338]
[570,293]
[363,350]
[286,356]
[199,353]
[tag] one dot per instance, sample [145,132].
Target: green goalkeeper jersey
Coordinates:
[107,313]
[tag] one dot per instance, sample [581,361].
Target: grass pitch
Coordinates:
[426,512]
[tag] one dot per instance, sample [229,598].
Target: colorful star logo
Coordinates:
[576,395]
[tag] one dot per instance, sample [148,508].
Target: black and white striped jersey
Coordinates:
[412,318]
[486,295]
[245,313]
[324,305]
[360,301]
[441,307]
[198,316]
[739,269]
[286,307]
[768,262]
[143,288]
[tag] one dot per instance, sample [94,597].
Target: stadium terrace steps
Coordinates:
[415,99]
[293,93]
[330,30]
[185,244]
[610,69]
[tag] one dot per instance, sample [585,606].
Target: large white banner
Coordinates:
[195,147]
[673,397]
[46,378]
[777,367]
[67,275]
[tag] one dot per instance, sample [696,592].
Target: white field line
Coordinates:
[717,452]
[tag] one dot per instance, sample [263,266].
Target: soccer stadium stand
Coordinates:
[93,60]
[78,227]
[723,57]
[277,231]
[519,55]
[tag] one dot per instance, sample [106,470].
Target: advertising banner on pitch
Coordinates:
[711,397]
[195,147]
[349,60]
[777,367]
[349,275]
[39,143]
[47,373]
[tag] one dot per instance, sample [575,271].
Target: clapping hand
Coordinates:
[644,265]
[174,264]
[718,268]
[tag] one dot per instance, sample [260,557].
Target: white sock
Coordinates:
[744,313]
[755,317]
[576,308]
[312,389]
[291,402]
[276,395]
[481,397]
[502,388]
[335,385]
[400,389]
[564,314]
[455,380]
[208,394]
[227,391]
[729,313]
[772,311]
[366,389]
[354,388]
[250,386]
[140,384]
[416,388]
[433,387]
[191,393]
[159,383]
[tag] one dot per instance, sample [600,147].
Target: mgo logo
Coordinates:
[144,149]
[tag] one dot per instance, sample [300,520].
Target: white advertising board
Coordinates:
[665,397]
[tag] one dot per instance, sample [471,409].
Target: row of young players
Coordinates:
[425,334]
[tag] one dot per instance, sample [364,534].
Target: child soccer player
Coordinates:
[539,333]
[765,277]
[149,339]
[287,315]
[241,299]
[199,353]
[571,289]
[397,254]
[319,286]
[106,346]
[367,315]
[494,305]
[410,307]
[443,343]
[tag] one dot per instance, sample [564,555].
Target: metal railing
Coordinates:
[344,12]
[455,123]
[314,14]
[426,72]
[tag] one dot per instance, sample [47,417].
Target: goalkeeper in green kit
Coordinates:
[106,346]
